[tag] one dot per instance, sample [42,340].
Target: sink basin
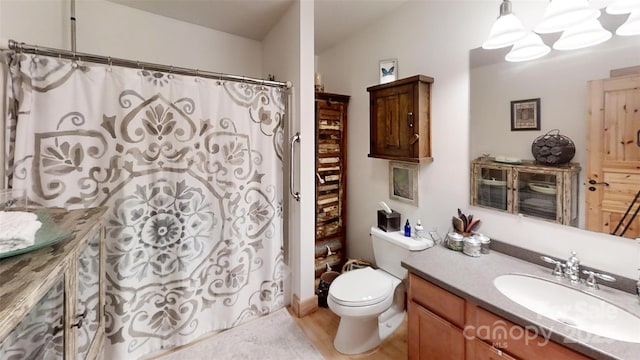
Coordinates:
[570,306]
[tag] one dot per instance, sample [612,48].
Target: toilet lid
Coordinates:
[361,287]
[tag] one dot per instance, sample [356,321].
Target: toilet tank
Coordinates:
[390,248]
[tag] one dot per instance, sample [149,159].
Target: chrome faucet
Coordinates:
[572,269]
[591,278]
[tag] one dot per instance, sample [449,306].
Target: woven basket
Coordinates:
[553,148]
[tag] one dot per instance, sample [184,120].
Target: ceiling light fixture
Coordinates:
[506,30]
[600,4]
[583,35]
[563,14]
[529,48]
[619,7]
[631,26]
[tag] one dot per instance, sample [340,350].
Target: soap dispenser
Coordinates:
[418,232]
[407,229]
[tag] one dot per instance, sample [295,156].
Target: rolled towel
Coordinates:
[17,230]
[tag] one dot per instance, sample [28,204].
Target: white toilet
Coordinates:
[371,303]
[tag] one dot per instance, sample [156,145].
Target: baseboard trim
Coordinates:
[305,307]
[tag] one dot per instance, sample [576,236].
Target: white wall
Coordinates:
[434,38]
[110,29]
[288,54]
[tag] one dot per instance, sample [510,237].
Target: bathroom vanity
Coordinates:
[456,312]
[52,298]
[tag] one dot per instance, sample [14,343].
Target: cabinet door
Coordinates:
[431,337]
[392,126]
[491,187]
[88,312]
[479,350]
[537,194]
[40,334]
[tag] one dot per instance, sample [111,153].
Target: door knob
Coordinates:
[593,182]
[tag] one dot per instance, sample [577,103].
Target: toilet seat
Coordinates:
[361,287]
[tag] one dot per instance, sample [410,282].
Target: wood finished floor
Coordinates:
[321,326]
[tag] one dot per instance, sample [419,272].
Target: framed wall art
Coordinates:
[388,70]
[525,114]
[403,182]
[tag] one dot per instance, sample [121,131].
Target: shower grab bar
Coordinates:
[296,195]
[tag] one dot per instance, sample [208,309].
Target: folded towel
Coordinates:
[17,230]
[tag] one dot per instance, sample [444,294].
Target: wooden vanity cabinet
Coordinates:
[445,326]
[436,322]
[542,191]
[52,299]
[400,120]
[331,181]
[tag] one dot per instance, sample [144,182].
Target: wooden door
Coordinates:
[613,155]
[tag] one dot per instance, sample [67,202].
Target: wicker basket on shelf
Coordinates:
[553,148]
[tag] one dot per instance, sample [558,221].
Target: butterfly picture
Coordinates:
[388,70]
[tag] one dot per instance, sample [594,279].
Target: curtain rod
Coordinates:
[40,50]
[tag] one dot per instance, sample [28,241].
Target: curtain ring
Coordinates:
[74,63]
[109,63]
[197,75]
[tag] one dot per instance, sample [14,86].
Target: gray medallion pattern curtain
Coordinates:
[191,170]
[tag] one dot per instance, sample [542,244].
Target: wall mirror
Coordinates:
[559,80]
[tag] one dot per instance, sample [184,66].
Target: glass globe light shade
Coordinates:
[619,7]
[505,32]
[583,35]
[529,48]
[600,4]
[563,14]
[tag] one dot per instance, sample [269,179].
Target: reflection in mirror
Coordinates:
[560,81]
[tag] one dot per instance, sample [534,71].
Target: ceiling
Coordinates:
[334,19]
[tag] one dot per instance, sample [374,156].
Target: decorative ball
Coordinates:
[553,148]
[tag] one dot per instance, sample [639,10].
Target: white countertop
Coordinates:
[472,279]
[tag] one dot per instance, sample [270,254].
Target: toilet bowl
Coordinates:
[371,302]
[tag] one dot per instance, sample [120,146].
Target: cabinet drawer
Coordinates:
[479,350]
[437,300]
[514,339]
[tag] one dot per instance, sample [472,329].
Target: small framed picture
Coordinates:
[388,70]
[525,114]
[403,182]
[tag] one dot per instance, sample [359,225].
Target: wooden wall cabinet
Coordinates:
[53,298]
[331,180]
[400,120]
[541,191]
[443,326]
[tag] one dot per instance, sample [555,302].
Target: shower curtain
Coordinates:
[191,170]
